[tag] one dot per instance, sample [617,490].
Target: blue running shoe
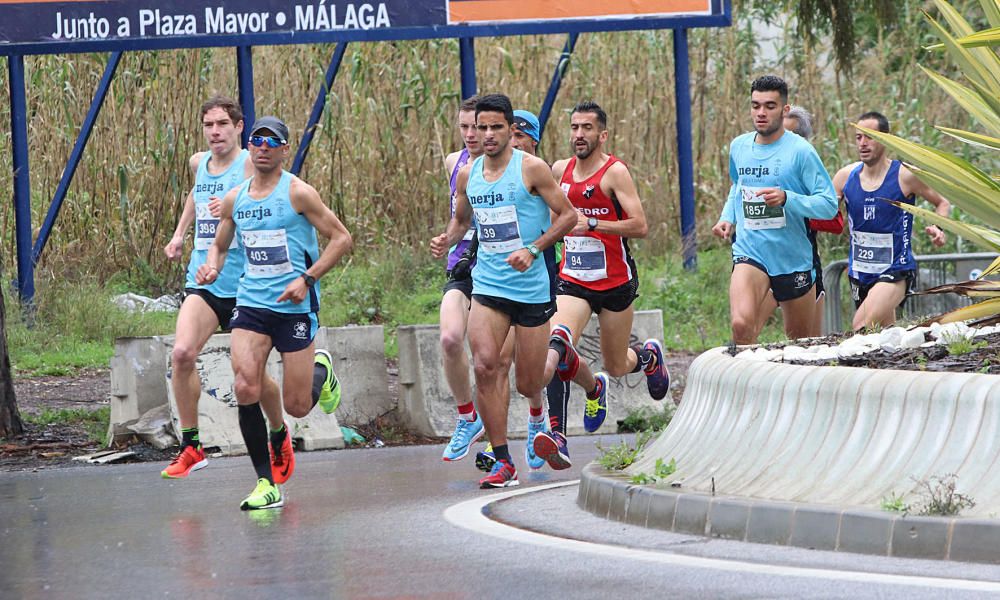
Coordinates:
[596,409]
[567,367]
[466,434]
[486,459]
[534,462]
[550,446]
[657,376]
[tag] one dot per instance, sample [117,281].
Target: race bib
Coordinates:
[266,252]
[758,215]
[498,230]
[871,252]
[205,226]
[585,259]
[469,234]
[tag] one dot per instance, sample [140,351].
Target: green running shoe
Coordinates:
[265,495]
[329,396]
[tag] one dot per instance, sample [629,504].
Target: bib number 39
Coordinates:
[498,229]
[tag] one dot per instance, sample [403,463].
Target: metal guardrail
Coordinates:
[932,270]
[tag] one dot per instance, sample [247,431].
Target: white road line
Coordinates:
[469,515]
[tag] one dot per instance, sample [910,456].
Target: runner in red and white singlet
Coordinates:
[597,276]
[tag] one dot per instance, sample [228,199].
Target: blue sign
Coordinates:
[45,26]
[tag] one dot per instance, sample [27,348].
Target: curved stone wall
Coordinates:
[823,435]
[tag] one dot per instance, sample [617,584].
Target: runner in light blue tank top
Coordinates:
[276,216]
[515,269]
[206,187]
[508,218]
[279,245]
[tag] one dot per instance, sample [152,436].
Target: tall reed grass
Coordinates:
[378,154]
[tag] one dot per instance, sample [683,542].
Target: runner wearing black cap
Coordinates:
[276,216]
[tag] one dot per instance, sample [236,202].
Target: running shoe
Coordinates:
[329,396]
[502,475]
[265,495]
[466,434]
[567,367]
[486,459]
[534,462]
[551,447]
[596,409]
[657,376]
[187,460]
[283,458]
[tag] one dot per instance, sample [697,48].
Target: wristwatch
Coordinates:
[533,249]
[591,224]
[309,279]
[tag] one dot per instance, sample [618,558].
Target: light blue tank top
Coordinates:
[279,245]
[880,232]
[508,218]
[206,186]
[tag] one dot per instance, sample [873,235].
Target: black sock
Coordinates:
[645,358]
[278,438]
[319,378]
[558,397]
[254,431]
[502,453]
[558,345]
[189,437]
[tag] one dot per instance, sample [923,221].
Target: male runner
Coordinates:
[207,308]
[597,276]
[524,137]
[881,266]
[778,183]
[457,299]
[525,132]
[511,195]
[799,121]
[276,215]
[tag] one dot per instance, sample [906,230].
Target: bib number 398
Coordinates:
[266,252]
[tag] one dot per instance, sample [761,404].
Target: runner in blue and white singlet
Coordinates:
[276,216]
[279,246]
[206,308]
[206,187]
[881,265]
[508,218]
[511,195]
[880,232]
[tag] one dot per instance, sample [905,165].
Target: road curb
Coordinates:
[609,494]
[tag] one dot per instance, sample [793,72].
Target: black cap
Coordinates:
[272,124]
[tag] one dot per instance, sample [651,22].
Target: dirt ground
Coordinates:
[983,357]
[44,446]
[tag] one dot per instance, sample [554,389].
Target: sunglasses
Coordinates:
[260,140]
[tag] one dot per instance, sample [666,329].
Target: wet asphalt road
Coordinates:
[370,524]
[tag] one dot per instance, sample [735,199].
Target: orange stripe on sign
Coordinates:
[465,11]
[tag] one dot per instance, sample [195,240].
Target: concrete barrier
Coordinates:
[823,445]
[427,406]
[140,381]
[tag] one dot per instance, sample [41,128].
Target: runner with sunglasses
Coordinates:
[276,216]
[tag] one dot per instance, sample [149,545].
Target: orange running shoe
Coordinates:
[187,460]
[283,460]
